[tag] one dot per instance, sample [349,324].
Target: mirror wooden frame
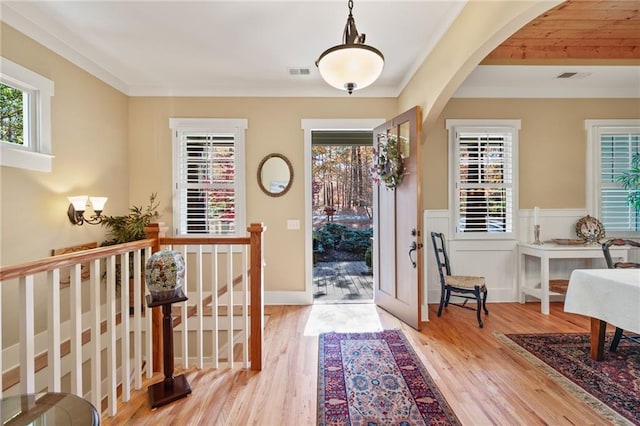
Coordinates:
[261,185]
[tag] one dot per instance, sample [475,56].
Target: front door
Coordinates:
[398,222]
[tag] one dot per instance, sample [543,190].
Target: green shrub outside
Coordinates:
[342,238]
[367,258]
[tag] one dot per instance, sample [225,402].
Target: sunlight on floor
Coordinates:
[343,318]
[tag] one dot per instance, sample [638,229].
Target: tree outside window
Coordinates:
[11,114]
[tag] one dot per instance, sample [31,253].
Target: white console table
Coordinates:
[548,251]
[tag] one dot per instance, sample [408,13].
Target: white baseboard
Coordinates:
[425,313]
[288,298]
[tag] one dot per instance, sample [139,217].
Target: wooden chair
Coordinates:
[466,287]
[618,335]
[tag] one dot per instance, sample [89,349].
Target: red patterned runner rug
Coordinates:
[376,379]
[611,387]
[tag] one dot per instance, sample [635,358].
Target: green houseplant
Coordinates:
[130,227]
[630,181]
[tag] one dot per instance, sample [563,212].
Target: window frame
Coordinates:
[454,126]
[594,129]
[37,153]
[238,127]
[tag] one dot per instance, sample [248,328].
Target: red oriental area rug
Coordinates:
[611,387]
[376,379]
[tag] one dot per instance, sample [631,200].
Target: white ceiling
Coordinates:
[496,81]
[245,48]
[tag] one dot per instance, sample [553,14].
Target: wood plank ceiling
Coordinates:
[599,31]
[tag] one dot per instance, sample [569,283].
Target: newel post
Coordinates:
[156,231]
[256,231]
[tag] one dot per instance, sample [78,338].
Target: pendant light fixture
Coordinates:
[351,65]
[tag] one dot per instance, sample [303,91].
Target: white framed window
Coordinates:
[209,176]
[611,145]
[25,127]
[483,178]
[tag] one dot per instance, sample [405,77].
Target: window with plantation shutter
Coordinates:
[483,177]
[209,176]
[613,143]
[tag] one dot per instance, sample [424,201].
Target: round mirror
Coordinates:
[275,175]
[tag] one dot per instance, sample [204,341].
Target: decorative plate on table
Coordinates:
[590,229]
[568,241]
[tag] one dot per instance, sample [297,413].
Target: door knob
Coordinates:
[413,247]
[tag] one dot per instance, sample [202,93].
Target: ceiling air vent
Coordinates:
[299,71]
[574,75]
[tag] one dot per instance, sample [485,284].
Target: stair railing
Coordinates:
[64,342]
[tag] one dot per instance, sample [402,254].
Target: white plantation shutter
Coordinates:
[617,147]
[485,182]
[208,178]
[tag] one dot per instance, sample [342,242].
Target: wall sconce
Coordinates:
[78,206]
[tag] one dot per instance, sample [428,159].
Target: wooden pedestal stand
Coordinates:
[172,388]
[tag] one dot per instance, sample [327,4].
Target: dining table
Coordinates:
[607,296]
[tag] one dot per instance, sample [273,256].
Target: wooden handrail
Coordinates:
[69,259]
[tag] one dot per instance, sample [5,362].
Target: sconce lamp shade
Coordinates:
[98,203]
[78,205]
[351,65]
[79,202]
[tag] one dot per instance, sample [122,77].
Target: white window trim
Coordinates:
[237,126]
[38,156]
[452,125]
[594,128]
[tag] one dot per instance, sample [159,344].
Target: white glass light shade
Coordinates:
[357,64]
[98,202]
[79,202]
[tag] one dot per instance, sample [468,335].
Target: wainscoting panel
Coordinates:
[497,260]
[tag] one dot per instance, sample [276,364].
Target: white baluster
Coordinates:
[199,306]
[245,306]
[27,351]
[96,334]
[230,305]
[111,336]
[137,321]
[148,322]
[124,326]
[1,360]
[75,316]
[53,331]
[214,305]
[184,325]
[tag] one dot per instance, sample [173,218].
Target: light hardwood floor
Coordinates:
[484,381]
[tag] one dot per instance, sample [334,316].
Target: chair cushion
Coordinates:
[463,281]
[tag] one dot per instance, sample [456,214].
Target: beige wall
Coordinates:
[552,144]
[89,141]
[274,127]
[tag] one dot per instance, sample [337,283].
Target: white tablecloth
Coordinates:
[612,295]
